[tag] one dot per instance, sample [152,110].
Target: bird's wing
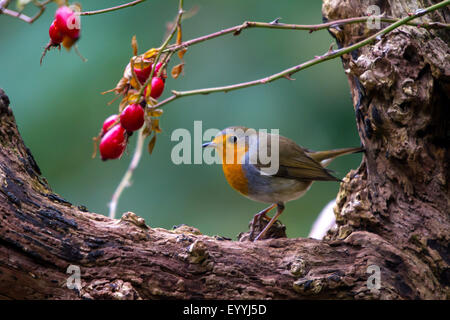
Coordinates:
[294,163]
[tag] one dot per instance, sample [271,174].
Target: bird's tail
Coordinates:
[325,157]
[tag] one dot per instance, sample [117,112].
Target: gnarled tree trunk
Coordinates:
[392,212]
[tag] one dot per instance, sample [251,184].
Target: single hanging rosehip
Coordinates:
[113,143]
[65,29]
[68,22]
[108,123]
[132,117]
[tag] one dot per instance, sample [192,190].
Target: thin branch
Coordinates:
[311,28]
[288,72]
[125,5]
[125,182]
[163,47]
[21,16]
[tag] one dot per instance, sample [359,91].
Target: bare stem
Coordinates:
[21,16]
[288,72]
[42,6]
[311,28]
[126,179]
[163,46]
[125,5]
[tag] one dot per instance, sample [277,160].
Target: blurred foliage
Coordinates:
[59,108]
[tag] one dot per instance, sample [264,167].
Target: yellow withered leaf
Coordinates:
[155,113]
[151,144]
[176,70]
[155,126]
[150,53]
[134,82]
[141,63]
[133,98]
[179,35]
[148,91]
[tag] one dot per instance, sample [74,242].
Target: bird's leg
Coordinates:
[280,209]
[263,214]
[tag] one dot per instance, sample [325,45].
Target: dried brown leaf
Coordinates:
[176,70]
[146,132]
[134,45]
[181,53]
[179,35]
[121,85]
[151,144]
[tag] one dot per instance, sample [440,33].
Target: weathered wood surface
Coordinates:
[392,212]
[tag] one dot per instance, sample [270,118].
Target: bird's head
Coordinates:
[232,143]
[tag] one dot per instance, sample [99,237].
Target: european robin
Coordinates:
[240,150]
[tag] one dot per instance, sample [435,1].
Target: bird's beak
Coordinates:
[209,144]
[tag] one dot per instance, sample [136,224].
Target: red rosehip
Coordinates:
[157,88]
[68,22]
[144,73]
[55,34]
[132,117]
[108,123]
[158,66]
[113,143]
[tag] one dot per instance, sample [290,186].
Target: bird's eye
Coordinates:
[233,139]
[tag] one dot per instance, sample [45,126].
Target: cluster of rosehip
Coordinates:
[117,128]
[65,28]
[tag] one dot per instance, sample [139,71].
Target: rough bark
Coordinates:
[393,211]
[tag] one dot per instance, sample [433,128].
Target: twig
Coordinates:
[130,4]
[42,7]
[288,72]
[21,16]
[311,28]
[125,182]
[163,47]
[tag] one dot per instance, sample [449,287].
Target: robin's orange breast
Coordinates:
[235,175]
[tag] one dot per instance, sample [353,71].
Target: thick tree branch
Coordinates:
[392,212]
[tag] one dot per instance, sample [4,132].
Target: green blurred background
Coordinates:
[59,108]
